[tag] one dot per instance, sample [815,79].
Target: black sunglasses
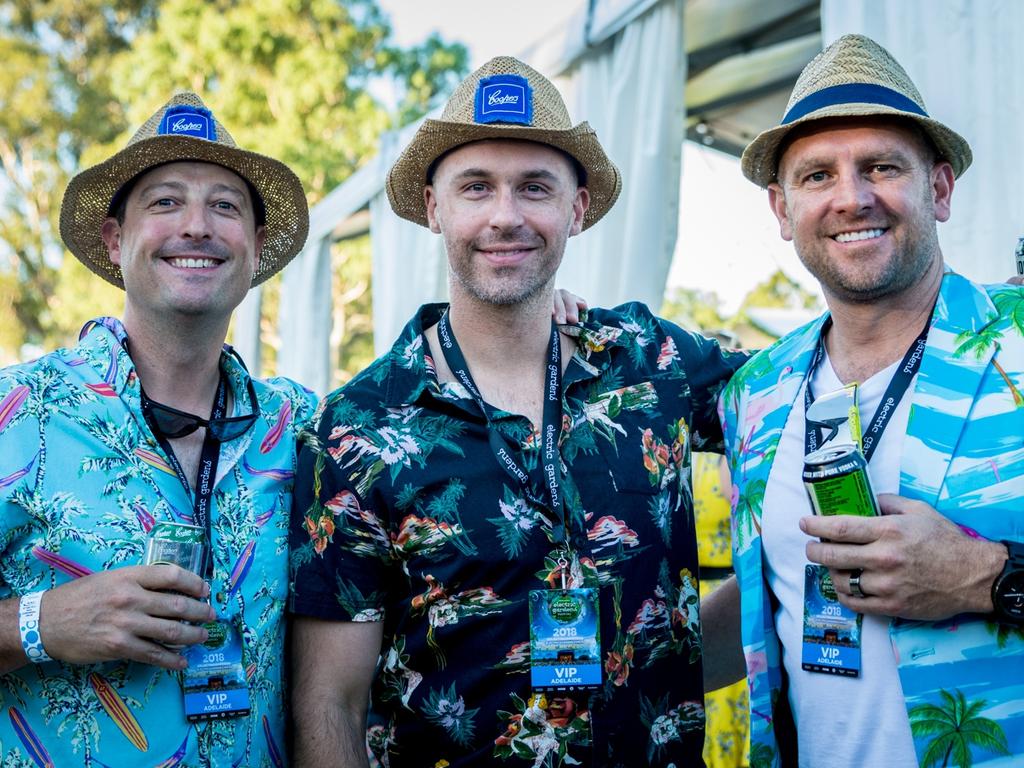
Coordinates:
[172,423]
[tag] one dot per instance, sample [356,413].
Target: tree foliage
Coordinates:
[694,309]
[779,291]
[295,79]
[55,98]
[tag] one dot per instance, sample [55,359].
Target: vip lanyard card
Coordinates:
[214,684]
[832,632]
[565,643]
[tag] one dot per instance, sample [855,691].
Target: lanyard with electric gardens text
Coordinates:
[832,631]
[214,684]
[894,392]
[565,645]
[206,474]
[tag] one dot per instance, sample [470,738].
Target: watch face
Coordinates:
[1010,594]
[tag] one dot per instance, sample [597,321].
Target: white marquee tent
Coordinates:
[648,74]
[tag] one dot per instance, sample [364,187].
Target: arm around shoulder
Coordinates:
[333,664]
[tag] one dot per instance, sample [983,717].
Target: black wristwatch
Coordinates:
[1008,588]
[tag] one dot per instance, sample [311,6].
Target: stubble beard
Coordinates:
[505,286]
[910,260]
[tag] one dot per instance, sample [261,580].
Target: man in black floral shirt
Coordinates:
[500,508]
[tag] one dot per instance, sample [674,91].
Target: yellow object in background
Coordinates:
[727,734]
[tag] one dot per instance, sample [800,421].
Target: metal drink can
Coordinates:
[1019,253]
[176,544]
[837,482]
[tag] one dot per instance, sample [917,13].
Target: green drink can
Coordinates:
[176,544]
[837,482]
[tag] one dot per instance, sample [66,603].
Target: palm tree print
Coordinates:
[979,344]
[956,729]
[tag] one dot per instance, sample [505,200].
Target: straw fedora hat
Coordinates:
[853,77]
[183,129]
[504,99]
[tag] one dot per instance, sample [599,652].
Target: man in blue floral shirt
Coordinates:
[500,508]
[151,425]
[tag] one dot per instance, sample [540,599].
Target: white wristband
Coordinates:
[28,622]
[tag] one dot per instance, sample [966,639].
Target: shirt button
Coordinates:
[221,597]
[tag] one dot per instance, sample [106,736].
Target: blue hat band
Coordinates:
[852,93]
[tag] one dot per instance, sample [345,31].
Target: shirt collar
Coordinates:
[102,345]
[411,373]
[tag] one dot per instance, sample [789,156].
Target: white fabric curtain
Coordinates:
[305,317]
[967,59]
[631,89]
[409,269]
[245,331]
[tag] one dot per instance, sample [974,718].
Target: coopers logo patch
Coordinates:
[185,120]
[504,99]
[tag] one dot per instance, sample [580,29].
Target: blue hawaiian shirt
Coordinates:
[403,515]
[82,479]
[962,678]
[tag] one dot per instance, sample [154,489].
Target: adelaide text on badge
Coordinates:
[181,125]
[497,97]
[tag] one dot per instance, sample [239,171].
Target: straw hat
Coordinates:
[854,76]
[504,99]
[183,129]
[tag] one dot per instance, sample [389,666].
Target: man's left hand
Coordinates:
[567,307]
[914,562]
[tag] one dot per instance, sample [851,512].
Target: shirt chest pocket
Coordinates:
[643,449]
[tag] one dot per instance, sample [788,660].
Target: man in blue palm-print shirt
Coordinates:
[927,598]
[491,466]
[147,424]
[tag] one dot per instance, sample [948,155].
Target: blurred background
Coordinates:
[675,89]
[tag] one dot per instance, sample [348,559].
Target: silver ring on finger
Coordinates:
[855,588]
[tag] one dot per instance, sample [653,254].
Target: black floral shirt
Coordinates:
[403,515]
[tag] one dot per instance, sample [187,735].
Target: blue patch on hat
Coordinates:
[504,99]
[186,120]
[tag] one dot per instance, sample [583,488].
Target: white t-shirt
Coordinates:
[841,721]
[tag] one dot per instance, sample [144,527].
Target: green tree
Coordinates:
[779,291]
[956,730]
[694,309]
[55,98]
[290,78]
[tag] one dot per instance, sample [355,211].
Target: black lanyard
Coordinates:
[550,427]
[898,386]
[207,472]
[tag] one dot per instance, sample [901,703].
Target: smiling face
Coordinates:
[505,209]
[860,200]
[188,243]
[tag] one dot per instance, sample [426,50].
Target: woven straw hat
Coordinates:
[854,76]
[183,130]
[504,99]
